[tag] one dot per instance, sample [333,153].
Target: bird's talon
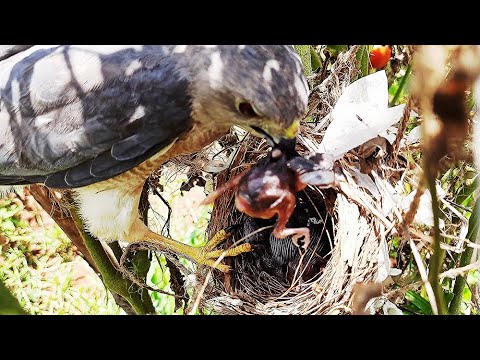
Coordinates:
[219,237]
[209,258]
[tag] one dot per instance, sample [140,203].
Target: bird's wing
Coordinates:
[9,50]
[71,116]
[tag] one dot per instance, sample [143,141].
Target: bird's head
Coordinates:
[261,88]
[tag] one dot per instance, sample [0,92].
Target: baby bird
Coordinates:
[269,188]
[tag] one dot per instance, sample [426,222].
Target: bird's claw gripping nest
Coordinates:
[212,257]
[206,255]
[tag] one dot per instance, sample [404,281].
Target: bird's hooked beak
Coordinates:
[276,136]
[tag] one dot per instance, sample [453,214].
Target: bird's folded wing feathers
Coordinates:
[7,51]
[74,115]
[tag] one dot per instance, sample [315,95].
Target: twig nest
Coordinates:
[348,242]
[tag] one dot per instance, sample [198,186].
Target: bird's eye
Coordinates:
[246,109]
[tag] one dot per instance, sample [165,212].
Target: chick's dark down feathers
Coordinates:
[280,257]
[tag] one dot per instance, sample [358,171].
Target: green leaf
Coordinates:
[5,203]
[470,101]
[20,223]
[473,277]
[422,304]
[157,275]
[3,213]
[8,303]
[304,52]
[467,294]
[315,59]
[334,50]
[400,88]
[363,60]
[465,196]
[7,225]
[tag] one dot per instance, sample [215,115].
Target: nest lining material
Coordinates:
[354,258]
[360,252]
[359,212]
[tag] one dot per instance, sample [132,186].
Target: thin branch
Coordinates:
[453,273]
[425,238]
[139,248]
[424,276]
[166,225]
[436,260]
[401,131]
[412,210]
[472,237]
[112,278]
[48,201]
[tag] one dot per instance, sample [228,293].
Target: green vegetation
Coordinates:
[40,266]
[43,271]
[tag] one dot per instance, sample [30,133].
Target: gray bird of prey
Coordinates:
[99,119]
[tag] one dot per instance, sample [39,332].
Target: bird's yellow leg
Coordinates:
[201,255]
[218,238]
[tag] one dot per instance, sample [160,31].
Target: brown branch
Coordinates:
[48,200]
[409,216]
[401,131]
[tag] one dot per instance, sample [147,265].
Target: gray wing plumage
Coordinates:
[71,116]
[9,50]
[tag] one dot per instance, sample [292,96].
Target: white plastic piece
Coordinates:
[360,114]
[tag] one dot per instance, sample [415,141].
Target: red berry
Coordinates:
[380,56]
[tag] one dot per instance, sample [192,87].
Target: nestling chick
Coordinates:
[281,258]
[269,188]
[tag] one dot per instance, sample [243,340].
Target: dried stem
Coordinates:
[461,271]
[401,131]
[412,210]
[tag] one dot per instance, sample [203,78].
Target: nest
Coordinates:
[354,228]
